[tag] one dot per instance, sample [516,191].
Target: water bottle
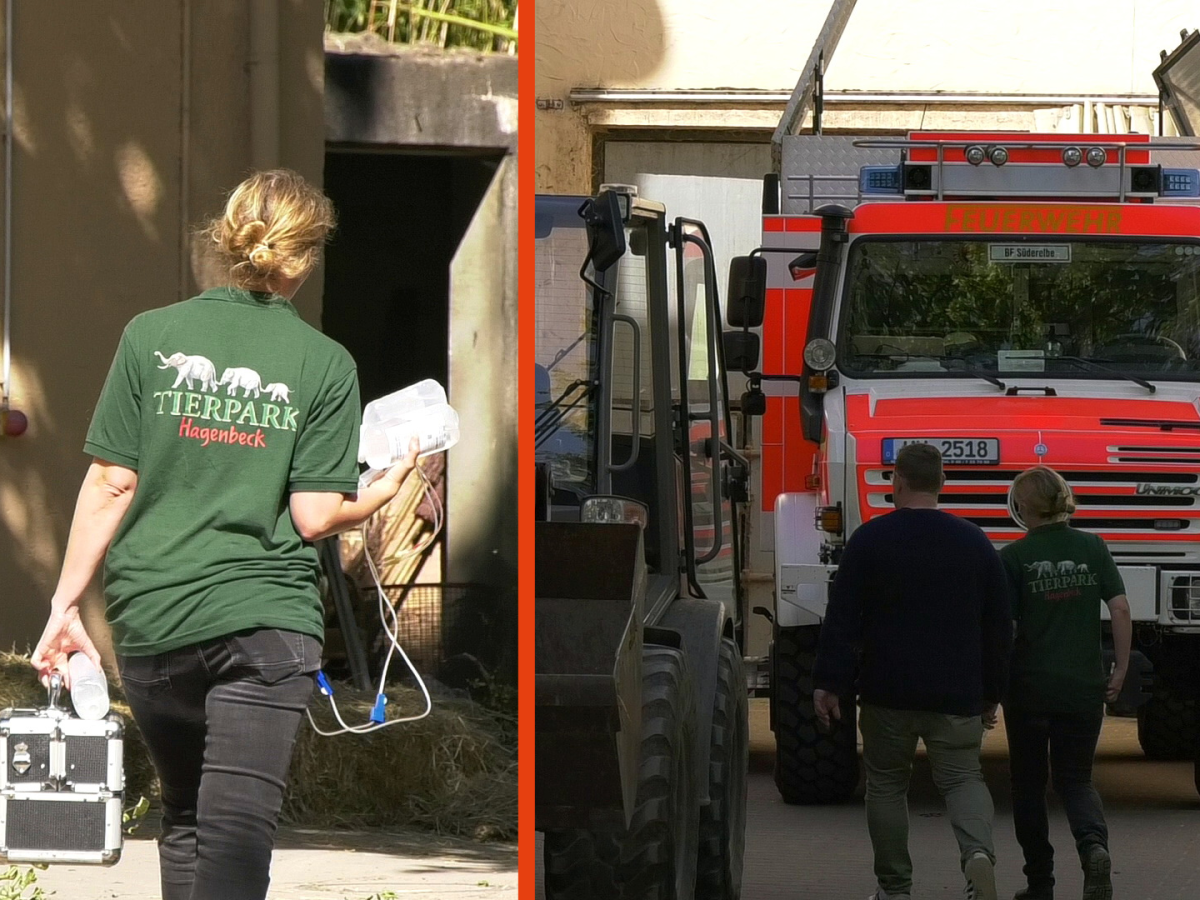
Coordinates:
[389,423]
[398,406]
[385,444]
[89,688]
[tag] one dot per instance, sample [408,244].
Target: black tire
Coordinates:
[1167,727]
[723,821]
[655,858]
[811,766]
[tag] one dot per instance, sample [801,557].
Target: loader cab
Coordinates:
[630,412]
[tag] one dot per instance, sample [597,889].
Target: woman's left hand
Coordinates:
[64,634]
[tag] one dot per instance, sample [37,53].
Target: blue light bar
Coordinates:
[881,179]
[1180,183]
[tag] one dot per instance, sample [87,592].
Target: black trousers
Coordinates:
[220,719]
[1059,749]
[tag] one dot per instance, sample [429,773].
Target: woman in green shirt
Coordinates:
[224,443]
[1055,703]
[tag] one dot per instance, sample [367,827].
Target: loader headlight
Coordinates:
[998,156]
[1072,157]
[1096,157]
[608,510]
[975,155]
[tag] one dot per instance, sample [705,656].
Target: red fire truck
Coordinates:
[1013,299]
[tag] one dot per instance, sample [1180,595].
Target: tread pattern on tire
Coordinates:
[1167,726]
[639,863]
[723,821]
[811,766]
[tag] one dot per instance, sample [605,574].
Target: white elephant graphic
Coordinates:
[1042,568]
[246,379]
[1081,569]
[191,368]
[279,392]
[1066,567]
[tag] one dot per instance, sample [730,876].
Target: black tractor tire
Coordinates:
[655,858]
[811,766]
[1167,726]
[723,820]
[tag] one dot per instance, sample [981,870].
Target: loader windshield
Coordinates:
[1067,308]
[566,351]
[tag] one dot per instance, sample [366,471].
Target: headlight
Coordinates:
[606,510]
[820,355]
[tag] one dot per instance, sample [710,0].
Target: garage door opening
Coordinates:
[401,218]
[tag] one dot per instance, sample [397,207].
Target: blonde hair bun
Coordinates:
[1043,493]
[273,227]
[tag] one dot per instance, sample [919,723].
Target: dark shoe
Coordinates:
[1035,893]
[1097,874]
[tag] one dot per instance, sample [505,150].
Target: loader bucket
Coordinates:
[590,585]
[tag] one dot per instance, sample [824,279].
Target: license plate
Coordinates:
[955,451]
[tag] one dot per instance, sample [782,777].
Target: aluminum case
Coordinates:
[61,787]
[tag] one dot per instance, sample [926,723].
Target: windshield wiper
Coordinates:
[1117,372]
[990,379]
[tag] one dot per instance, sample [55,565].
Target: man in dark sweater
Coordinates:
[922,596]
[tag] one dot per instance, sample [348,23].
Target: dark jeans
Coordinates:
[220,719]
[1061,748]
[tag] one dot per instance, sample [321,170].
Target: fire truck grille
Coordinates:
[1107,501]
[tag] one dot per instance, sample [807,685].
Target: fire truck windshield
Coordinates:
[1010,307]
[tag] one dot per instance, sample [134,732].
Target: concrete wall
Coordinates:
[1019,47]
[132,120]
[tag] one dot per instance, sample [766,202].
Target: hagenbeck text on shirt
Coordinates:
[191,406]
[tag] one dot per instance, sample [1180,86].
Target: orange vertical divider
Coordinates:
[526,848]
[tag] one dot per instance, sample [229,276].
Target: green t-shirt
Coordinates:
[1060,576]
[223,404]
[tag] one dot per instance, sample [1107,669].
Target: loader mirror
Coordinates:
[605,230]
[747,291]
[741,350]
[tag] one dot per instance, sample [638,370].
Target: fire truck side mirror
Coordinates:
[741,350]
[754,402]
[605,229]
[747,291]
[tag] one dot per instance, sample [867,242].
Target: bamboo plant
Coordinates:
[482,25]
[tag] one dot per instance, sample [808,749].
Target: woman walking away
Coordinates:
[225,442]
[1055,703]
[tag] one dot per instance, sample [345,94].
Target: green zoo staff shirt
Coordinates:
[1060,576]
[223,404]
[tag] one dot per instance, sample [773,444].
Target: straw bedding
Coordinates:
[454,772]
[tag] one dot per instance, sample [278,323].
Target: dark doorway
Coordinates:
[401,215]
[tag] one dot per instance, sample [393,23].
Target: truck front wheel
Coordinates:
[655,858]
[811,766]
[1167,725]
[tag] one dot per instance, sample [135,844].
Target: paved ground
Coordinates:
[320,865]
[822,853]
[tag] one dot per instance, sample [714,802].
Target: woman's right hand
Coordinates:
[399,473]
[1115,682]
[64,634]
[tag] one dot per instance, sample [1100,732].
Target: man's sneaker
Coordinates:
[1097,874]
[1034,893]
[881,894]
[981,877]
